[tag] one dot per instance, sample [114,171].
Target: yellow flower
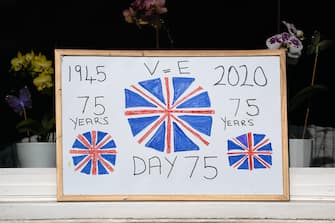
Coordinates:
[18,62]
[29,57]
[40,64]
[43,81]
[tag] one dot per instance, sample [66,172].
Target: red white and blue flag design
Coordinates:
[169,114]
[94,153]
[250,151]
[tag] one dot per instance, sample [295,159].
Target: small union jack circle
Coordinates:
[94,153]
[169,114]
[250,151]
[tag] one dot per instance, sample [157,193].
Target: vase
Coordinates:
[300,152]
[36,154]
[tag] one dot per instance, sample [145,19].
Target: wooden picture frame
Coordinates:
[171,125]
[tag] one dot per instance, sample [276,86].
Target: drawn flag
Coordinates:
[94,153]
[169,114]
[250,151]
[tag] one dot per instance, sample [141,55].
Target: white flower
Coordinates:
[290,40]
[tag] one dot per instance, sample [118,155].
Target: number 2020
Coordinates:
[241,77]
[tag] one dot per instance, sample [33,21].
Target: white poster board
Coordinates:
[171,125]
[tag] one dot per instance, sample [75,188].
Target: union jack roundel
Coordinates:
[94,153]
[250,151]
[169,114]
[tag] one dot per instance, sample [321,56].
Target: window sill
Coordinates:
[30,193]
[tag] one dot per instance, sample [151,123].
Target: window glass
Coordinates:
[224,25]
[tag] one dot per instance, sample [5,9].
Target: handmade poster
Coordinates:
[171,125]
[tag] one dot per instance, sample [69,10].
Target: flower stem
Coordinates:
[312,84]
[157,37]
[25,118]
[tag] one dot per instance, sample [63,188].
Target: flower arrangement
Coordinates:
[292,40]
[148,13]
[34,78]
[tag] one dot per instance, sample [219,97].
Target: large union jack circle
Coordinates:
[169,114]
[250,151]
[94,153]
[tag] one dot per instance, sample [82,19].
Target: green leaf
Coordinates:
[48,124]
[33,126]
[42,129]
[304,96]
[325,44]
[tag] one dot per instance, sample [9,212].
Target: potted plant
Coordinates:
[300,142]
[32,98]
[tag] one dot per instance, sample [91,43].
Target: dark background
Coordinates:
[43,26]
[211,24]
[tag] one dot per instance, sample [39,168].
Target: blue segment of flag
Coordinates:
[198,101]
[201,123]
[180,85]
[101,169]
[135,100]
[181,141]
[154,86]
[87,168]
[138,124]
[157,141]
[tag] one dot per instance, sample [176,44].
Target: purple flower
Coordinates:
[274,42]
[18,104]
[285,37]
[294,47]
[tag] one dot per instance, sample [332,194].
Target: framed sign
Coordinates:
[171,125]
